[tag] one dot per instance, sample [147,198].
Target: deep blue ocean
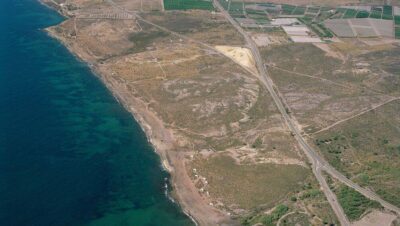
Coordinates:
[69,153]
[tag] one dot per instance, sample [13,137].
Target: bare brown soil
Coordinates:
[194,103]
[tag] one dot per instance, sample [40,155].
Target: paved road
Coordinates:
[267,82]
[319,164]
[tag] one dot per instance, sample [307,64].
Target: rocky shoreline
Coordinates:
[161,138]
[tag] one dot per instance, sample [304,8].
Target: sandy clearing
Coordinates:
[376,218]
[330,52]
[261,39]
[240,55]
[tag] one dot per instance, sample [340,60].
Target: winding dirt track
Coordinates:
[318,163]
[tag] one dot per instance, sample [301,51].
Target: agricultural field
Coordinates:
[339,13]
[288,9]
[198,25]
[315,18]
[312,10]
[350,13]
[397,20]
[397,32]
[188,4]
[224,3]
[376,13]
[321,30]
[299,10]
[362,14]
[361,27]
[387,12]
[236,8]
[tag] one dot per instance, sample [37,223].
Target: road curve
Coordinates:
[267,82]
[317,161]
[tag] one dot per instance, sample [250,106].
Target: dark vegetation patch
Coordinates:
[269,219]
[353,203]
[362,14]
[367,150]
[188,4]
[387,12]
[144,39]
[296,219]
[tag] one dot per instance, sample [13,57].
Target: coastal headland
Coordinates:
[190,79]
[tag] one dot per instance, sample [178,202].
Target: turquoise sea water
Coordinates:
[69,153]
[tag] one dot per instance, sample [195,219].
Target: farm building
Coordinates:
[285,21]
[300,34]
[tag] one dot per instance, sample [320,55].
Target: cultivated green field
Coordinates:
[376,13]
[236,9]
[397,20]
[321,30]
[288,9]
[362,14]
[187,4]
[387,12]
[350,13]
[299,10]
[224,4]
[397,32]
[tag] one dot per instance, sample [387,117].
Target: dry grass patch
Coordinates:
[249,186]
[321,90]
[202,26]
[367,149]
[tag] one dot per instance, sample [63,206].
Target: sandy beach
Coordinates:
[163,141]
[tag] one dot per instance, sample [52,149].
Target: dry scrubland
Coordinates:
[346,98]
[321,89]
[324,2]
[367,149]
[354,204]
[209,118]
[216,126]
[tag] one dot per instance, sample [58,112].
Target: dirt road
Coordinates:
[318,163]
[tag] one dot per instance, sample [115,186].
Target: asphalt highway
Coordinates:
[318,163]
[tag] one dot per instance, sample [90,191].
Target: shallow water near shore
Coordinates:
[69,153]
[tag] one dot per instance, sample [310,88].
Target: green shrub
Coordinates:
[353,203]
